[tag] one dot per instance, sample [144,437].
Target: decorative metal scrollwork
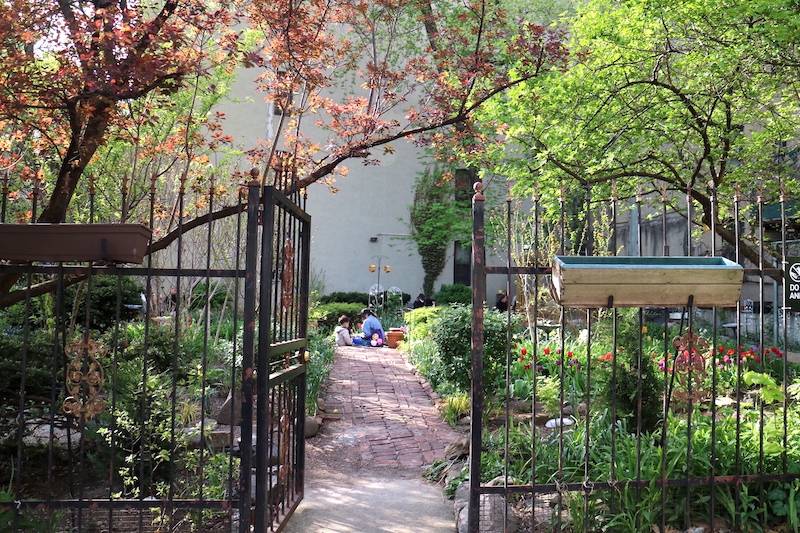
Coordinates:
[690,368]
[84,379]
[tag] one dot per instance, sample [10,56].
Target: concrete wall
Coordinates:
[372,203]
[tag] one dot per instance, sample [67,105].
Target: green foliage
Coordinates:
[158,348]
[453,294]
[768,389]
[327,315]
[633,388]
[451,334]
[455,406]
[671,116]
[437,219]
[139,436]
[105,300]
[219,472]
[419,322]
[361,298]
[38,348]
[428,362]
[321,349]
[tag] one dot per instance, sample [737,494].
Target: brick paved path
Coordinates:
[364,468]
[376,391]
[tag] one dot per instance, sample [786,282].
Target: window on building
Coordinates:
[462,264]
[462,255]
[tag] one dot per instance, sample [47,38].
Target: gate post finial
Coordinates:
[478,196]
[254,181]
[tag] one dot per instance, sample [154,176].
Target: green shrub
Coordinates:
[453,294]
[321,349]
[451,333]
[327,315]
[419,322]
[361,298]
[623,388]
[104,301]
[38,363]
[137,437]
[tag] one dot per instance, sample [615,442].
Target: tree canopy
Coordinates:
[81,76]
[661,96]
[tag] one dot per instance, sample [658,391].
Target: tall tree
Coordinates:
[409,69]
[71,71]
[68,66]
[686,97]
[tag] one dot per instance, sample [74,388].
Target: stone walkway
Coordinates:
[364,469]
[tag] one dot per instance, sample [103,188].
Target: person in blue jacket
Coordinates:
[372,328]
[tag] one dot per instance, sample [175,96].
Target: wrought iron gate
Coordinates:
[717,456]
[113,419]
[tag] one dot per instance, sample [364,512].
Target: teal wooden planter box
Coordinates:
[122,243]
[587,282]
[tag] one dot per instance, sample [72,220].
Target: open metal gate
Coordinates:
[274,361]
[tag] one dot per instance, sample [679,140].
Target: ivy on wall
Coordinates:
[437,219]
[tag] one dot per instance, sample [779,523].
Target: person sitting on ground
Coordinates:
[342,332]
[372,330]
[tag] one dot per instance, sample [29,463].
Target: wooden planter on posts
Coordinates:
[593,282]
[121,243]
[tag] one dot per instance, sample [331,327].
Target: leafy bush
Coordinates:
[321,349]
[630,381]
[361,298]
[419,322]
[428,362]
[104,301]
[451,333]
[123,429]
[327,315]
[157,348]
[453,294]
[38,363]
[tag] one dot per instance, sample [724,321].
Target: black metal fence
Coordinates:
[621,408]
[164,396]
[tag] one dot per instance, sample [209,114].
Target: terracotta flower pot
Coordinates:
[393,337]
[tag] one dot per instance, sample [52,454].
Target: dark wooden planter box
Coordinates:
[122,243]
[587,282]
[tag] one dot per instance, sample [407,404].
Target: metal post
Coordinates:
[476,415]
[248,349]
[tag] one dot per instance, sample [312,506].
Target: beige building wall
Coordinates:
[364,222]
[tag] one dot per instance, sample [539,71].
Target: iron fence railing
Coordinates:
[164,395]
[649,418]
